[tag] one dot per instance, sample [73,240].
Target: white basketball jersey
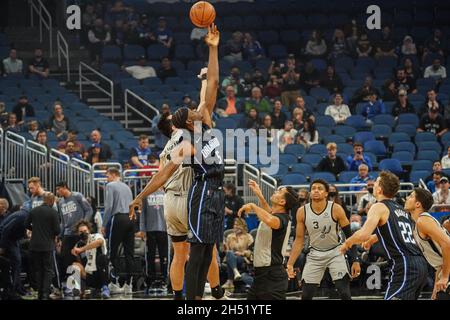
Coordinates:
[323,231]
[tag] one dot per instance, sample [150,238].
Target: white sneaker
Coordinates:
[115,288]
[127,289]
[207,288]
[228,285]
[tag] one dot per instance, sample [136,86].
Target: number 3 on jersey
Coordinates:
[406,232]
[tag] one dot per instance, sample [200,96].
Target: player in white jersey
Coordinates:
[432,238]
[323,221]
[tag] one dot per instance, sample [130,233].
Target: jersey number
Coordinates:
[406,232]
[316,225]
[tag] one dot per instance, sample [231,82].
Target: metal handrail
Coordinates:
[82,77]
[64,51]
[128,105]
[40,10]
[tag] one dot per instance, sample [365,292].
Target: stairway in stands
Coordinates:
[26,39]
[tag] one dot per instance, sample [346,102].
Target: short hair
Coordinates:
[230,186]
[82,223]
[34,180]
[438,173]
[180,117]
[165,125]
[113,171]
[332,145]
[437,161]
[389,183]
[322,182]
[62,184]
[358,144]
[424,197]
[363,165]
[291,198]
[143,137]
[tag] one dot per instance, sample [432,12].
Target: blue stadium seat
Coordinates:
[296,149]
[232,23]
[345,62]
[408,118]
[384,119]
[226,123]
[376,147]
[129,83]
[292,179]
[428,155]
[277,51]
[111,54]
[268,37]
[133,52]
[405,146]
[324,131]
[405,157]
[325,121]
[184,52]
[327,176]
[416,175]
[410,130]
[320,94]
[345,148]
[363,136]
[157,52]
[381,131]
[396,137]
[333,138]
[274,22]
[392,165]
[424,137]
[312,159]
[347,176]
[288,159]
[253,23]
[302,168]
[345,131]
[429,145]
[356,121]
[318,149]
[290,37]
[422,165]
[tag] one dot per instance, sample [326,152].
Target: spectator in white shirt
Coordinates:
[141,71]
[308,135]
[12,65]
[338,111]
[446,160]
[287,135]
[442,196]
[367,200]
[436,71]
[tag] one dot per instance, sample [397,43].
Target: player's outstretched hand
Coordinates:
[367,245]
[212,39]
[254,186]
[136,204]
[245,209]
[344,248]
[356,270]
[441,285]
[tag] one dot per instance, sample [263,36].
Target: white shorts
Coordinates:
[318,261]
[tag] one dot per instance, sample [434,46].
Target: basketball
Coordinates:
[202,14]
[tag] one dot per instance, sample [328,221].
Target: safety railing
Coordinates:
[59,168]
[102,83]
[44,20]
[139,106]
[231,171]
[268,185]
[250,172]
[137,179]
[38,164]
[99,180]
[80,176]
[62,49]
[15,155]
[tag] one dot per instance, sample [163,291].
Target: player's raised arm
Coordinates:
[257,191]
[212,39]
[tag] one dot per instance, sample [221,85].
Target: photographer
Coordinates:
[358,158]
[91,261]
[235,81]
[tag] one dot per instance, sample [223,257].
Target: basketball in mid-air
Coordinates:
[202,14]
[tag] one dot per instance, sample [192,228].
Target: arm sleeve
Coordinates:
[87,208]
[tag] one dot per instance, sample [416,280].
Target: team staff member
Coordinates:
[271,279]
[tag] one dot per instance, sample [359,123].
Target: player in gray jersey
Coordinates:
[432,238]
[36,193]
[323,221]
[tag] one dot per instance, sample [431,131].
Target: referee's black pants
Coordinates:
[122,232]
[270,283]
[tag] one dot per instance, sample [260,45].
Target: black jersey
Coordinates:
[396,235]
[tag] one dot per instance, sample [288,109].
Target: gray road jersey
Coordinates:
[323,231]
[181,180]
[430,249]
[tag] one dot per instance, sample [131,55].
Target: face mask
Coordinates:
[84,236]
[370,190]
[332,194]
[354,226]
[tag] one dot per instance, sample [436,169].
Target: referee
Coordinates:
[121,228]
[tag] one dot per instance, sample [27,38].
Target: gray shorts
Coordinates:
[175,213]
[318,261]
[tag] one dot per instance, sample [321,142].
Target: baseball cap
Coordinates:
[443,180]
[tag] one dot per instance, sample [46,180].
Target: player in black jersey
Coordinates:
[393,227]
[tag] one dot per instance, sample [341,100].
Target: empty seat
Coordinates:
[392,165]
[292,179]
[376,147]
[405,146]
[422,165]
[347,176]
[363,136]
[405,157]
[318,149]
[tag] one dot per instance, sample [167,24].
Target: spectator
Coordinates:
[355,222]
[44,223]
[33,129]
[143,29]
[95,154]
[229,104]
[235,81]
[88,19]
[362,178]
[273,88]
[311,77]
[353,162]
[432,102]
[4,206]
[298,118]
[408,46]
[91,253]
[331,81]
[141,71]
[411,70]
[373,107]
[267,125]
[389,90]
[163,35]
[257,79]
[72,137]
[446,160]
[166,70]
[140,155]
[301,104]
[253,50]
[258,102]
[233,202]
[436,71]
[238,252]
[118,197]
[332,163]
[290,82]
[278,116]
[72,152]
[152,227]
[436,44]
[3,114]
[339,46]
[118,11]
[12,124]
[437,167]
[386,45]
[41,139]
[251,121]
[362,94]
[435,184]
[403,82]
[433,122]
[363,46]
[333,195]
[316,46]
[338,111]
[442,195]
[39,66]
[12,65]
[105,152]
[98,37]
[402,105]
[160,139]
[23,110]
[308,136]
[233,50]
[58,122]
[287,135]
[367,200]
[197,37]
